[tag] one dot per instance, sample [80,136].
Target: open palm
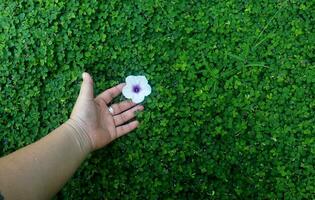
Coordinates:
[94,118]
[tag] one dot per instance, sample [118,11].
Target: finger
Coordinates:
[122,106]
[122,130]
[109,94]
[127,115]
[87,86]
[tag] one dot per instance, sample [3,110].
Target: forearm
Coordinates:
[39,170]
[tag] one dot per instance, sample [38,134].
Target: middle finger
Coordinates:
[127,115]
[122,106]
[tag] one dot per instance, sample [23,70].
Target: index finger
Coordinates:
[109,94]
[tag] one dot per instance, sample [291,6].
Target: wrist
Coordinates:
[80,135]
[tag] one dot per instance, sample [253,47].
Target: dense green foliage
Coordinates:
[231,114]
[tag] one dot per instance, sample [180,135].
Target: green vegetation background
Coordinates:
[231,115]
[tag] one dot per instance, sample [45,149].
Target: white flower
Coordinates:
[136,88]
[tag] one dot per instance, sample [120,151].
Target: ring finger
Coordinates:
[127,115]
[118,108]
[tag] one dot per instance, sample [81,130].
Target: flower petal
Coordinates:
[146,89]
[127,91]
[137,98]
[142,80]
[142,83]
[132,80]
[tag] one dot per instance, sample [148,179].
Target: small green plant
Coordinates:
[231,113]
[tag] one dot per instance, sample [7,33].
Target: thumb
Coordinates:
[87,86]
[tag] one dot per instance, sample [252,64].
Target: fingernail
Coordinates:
[83,75]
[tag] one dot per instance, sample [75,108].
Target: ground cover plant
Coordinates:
[231,113]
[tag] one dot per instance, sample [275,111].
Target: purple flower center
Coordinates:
[136,88]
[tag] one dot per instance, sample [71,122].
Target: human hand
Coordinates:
[94,119]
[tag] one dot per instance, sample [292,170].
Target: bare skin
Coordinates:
[39,170]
